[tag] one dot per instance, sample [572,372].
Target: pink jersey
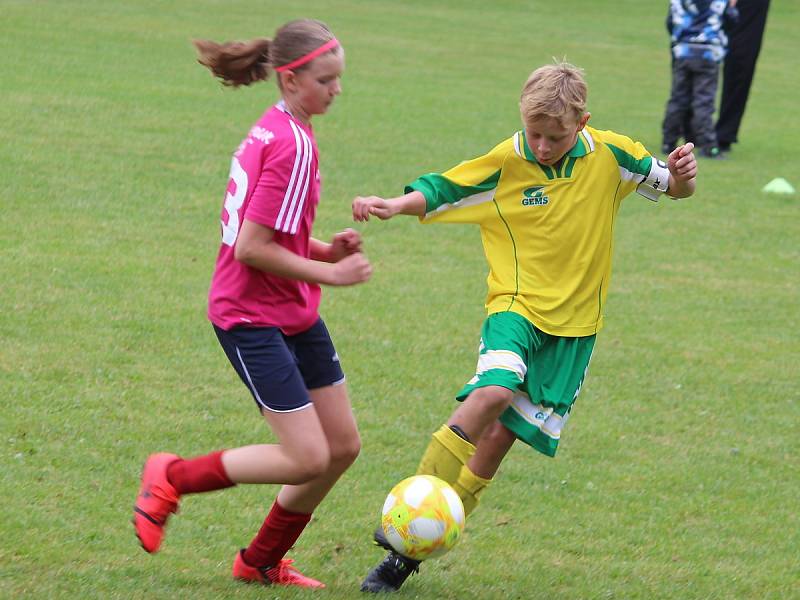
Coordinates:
[274,182]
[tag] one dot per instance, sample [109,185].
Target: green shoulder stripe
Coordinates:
[439,190]
[639,166]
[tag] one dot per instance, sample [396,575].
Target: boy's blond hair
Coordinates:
[556,91]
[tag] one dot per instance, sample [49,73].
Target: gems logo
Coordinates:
[534,196]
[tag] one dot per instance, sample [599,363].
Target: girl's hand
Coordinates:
[345,243]
[352,269]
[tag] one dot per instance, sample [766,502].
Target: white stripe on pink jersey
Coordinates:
[300,204]
[283,188]
[301,175]
[282,223]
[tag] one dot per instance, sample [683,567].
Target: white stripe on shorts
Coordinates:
[255,391]
[541,417]
[502,359]
[290,410]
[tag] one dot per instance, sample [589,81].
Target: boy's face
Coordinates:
[549,139]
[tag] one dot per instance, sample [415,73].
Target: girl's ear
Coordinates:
[288,81]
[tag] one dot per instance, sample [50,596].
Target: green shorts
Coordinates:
[545,372]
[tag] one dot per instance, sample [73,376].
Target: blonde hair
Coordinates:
[555,91]
[243,63]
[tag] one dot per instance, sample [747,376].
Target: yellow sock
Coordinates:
[445,455]
[469,487]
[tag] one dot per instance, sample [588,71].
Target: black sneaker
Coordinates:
[393,570]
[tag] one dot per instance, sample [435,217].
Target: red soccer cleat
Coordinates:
[281,574]
[156,500]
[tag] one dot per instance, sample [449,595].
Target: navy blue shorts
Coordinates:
[279,369]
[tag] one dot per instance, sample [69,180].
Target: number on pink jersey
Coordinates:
[233,202]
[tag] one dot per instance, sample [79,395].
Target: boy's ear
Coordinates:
[584,120]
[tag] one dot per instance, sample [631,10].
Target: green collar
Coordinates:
[581,148]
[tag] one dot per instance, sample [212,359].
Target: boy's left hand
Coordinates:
[345,243]
[682,163]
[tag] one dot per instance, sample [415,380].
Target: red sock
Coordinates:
[279,532]
[201,474]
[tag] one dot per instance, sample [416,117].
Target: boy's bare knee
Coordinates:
[496,441]
[494,397]
[496,434]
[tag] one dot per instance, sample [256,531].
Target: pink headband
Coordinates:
[309,57]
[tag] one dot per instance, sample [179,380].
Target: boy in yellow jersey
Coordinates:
[546,200]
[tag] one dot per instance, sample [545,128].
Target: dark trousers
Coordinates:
[744,44]
[694,89]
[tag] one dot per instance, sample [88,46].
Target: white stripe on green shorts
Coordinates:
[540,416]
[500,359]
[536,424]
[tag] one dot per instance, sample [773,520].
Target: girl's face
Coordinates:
[549,139]
[312,90]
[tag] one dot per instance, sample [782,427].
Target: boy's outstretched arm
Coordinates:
[412,204]
[682,167]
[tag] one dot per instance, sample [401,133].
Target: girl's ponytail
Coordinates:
[236,63]
[243,63]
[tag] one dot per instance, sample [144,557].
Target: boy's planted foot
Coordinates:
[392,572]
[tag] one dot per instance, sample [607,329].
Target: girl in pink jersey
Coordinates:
[263,304]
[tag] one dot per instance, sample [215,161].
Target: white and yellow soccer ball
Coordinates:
[423,517]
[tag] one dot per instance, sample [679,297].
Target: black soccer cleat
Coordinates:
[393,570]
[390,574]
[379,539]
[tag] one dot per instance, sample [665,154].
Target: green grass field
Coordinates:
[679,474]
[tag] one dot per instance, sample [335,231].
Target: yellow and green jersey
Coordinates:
[547,231]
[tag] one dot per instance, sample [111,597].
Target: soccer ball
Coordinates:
[422,517]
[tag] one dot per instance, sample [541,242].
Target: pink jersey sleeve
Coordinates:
[282,188]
